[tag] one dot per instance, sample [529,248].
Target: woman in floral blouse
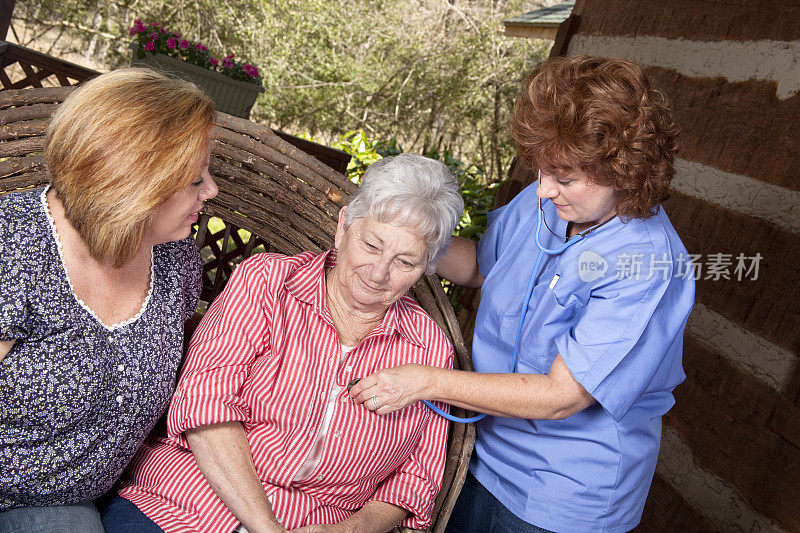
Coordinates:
[97,276]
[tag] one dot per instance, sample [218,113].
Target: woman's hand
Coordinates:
[373,517]
[320,528]
[392,389]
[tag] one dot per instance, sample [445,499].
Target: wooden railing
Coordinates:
[21,67]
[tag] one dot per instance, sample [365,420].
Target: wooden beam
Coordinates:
[565,32]
[530,31]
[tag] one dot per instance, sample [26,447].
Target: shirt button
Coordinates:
[320,477]
[110,338]
[121,368]
[120,398]
[337,434]
[348,368]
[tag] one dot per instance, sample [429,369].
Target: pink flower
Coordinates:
[138,27]
[251,70]
[227,65]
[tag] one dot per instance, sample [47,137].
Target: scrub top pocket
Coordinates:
[550,313]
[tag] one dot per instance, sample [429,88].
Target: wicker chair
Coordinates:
[272,197]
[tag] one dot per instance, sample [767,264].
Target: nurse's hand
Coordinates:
[391,389]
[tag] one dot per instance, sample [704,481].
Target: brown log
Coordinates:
[22,165]
[28,112]
[252,202]
[24,97]
[422,293]
[289,182]
[319,222]
[21,147]
[268,137]
[255,219]
[289,165]
[25,128]
[23,182]
[453,329]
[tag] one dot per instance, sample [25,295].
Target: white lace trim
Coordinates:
[88,309]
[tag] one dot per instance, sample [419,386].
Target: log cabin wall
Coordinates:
[730,453]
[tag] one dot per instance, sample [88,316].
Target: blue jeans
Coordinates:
[478,511]
[81,517]
[121,516]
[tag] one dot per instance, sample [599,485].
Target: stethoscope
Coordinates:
[537,268]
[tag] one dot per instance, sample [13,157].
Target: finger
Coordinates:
[364,390]
[386,410]
[362,384]
[363,396]
[371,404]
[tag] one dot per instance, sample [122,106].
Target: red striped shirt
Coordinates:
[267,354]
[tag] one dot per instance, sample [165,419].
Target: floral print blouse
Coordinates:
[78,397]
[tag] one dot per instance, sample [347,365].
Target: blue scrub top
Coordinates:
[614,306]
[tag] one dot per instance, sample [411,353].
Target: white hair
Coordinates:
[412,191]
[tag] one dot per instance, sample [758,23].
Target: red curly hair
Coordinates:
[602,116]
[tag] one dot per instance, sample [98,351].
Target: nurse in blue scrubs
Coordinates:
[573,431]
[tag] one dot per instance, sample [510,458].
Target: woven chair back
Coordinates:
[272,197]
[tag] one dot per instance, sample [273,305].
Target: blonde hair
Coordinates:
[119,147]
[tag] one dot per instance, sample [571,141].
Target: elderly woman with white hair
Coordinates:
[262,433]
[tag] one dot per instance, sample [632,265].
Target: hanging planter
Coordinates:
[233,85]
[231,96]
